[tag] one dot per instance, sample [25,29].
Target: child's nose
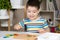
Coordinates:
[32,13]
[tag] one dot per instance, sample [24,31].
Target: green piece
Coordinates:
[11,34]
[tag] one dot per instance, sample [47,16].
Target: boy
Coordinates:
[32,9]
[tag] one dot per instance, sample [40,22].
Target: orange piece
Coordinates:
[16,34]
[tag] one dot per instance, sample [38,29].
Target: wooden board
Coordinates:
[25,36]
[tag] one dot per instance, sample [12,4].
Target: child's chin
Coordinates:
[31,18]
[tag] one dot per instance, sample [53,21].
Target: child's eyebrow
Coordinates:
[34,10]
[31,10]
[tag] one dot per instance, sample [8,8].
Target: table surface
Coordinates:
[12,32]
[16,32]
[3,33]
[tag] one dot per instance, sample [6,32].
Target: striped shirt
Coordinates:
[34,26]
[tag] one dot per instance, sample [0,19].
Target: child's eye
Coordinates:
[34,12]
[28,11]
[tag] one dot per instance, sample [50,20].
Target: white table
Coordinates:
[40,36]
[49,36]
[12,32]
[2,33]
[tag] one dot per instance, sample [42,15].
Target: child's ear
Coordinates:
[39,11]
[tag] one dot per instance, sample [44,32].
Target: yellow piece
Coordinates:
[7,34]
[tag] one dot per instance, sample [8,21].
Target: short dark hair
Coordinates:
[35,3]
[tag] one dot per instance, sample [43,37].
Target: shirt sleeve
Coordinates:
[45,25]
[21,23]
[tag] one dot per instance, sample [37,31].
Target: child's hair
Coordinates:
[35,3]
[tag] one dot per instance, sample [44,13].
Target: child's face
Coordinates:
[32,12]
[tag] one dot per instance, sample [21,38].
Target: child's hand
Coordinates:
[41,31]
[17,27]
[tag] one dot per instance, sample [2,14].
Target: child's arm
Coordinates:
[41,31]
[17,27]
[45,28]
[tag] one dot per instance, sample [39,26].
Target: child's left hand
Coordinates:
[41,31]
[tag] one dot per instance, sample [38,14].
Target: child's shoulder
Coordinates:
[42,19]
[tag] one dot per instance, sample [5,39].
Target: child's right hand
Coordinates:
[41,31]
[17,27]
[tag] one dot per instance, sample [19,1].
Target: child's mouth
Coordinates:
[31,16]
